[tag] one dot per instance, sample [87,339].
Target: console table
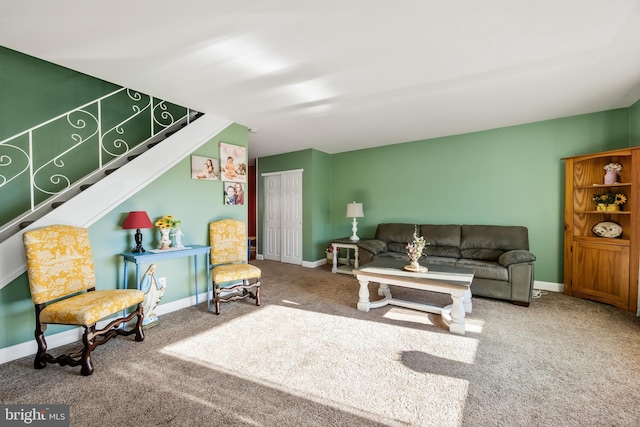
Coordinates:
[149,257]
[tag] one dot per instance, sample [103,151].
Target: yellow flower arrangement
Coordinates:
[168,221]
[610,199]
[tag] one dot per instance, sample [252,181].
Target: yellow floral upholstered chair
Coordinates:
[230,271]
[60,269]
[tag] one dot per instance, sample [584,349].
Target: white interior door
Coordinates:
[272,229]
[291,215]
[283,217]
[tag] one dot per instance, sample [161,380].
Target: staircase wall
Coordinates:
[93,203]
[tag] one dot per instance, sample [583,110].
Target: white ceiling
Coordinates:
[339,75]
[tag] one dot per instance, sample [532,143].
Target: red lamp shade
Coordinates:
[137,219]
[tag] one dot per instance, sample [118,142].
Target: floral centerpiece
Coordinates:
[414,251]
[609,201]
[165,224]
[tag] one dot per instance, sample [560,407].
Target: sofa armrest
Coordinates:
[517,256]
[374,246]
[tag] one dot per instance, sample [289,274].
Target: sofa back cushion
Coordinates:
[488,242]
[395,233]
[443,240]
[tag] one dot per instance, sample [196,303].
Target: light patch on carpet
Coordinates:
[405,315]
[328,361]
[474,325]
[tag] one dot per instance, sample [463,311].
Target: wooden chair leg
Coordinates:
[88,340]
[91,338]
[258,295]
[40,360]
[138,328]
[216,291]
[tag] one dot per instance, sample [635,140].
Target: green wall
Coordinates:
[195,202]
[506,176]
[511,175]
[316,196]
[34,91]
[634,125]
[39,93]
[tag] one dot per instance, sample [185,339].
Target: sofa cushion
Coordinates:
[397,247]
[482,254]
[442,251]
[374,246]
[442,240]
[438,260]
[485,269]
[488,242]
[395,232]
[515,257]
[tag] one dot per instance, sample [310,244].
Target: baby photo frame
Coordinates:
[233,163]
[205,168]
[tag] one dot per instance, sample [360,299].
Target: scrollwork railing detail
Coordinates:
[48,159]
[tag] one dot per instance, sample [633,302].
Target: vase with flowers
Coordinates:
[609,202]
[414,252]
[165,224]
[612,171]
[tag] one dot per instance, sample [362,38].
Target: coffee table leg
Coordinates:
[468,305]
[384,291]
[457,315]
[363,295]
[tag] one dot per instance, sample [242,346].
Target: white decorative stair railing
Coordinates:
[42,164]
[90,205]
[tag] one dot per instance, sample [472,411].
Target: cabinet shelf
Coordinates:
[604,240]
[604,212]
[619,184]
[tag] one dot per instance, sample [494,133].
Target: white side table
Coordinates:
[348,244]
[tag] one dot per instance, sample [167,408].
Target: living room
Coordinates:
[512,175]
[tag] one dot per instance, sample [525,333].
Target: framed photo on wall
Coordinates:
[233,162]
[233,193]
[204,167]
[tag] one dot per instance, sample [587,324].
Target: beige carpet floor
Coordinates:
[307,357]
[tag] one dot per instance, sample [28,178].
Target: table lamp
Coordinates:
[354,210]
[137,220]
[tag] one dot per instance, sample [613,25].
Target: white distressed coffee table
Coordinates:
[443,279]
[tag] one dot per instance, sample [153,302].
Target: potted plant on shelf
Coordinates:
[610,202]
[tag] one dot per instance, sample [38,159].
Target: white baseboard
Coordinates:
[68,337]
[548,286]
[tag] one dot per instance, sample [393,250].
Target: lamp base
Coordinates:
[138,248]
[354,228]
